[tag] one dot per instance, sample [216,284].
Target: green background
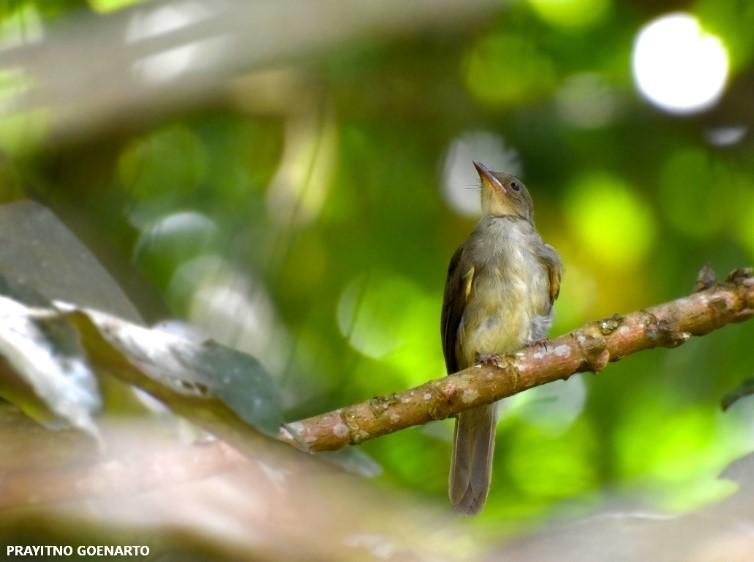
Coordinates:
[301,217]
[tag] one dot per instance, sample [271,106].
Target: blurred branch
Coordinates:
[589,348]
[94,74]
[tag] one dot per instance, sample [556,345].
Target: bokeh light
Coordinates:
[371,310]
[460,181]
[678,66]
[725,136]
[586,101]
[173,158]
[610,220]
[692,183]
[384,317]
[571,14]
[503,70]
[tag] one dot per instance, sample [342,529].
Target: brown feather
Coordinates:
[454,301]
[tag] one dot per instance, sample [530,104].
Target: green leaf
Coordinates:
[183,370]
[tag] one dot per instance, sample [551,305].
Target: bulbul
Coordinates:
[499,293]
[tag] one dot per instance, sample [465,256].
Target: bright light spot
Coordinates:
[165,19]
[678,66]
[610,220]
[172,63]
[574,14]
[460,181]
[725,136]
[175,238]
[586,101]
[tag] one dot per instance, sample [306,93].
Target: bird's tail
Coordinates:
[471,464]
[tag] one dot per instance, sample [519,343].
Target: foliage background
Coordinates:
[306,212]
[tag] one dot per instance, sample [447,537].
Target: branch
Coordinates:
[589,348]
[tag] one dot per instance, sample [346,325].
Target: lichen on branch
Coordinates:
[589,348]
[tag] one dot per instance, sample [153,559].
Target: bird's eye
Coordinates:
[515,186]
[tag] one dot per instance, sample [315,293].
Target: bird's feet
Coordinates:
[540,342]
[489,359]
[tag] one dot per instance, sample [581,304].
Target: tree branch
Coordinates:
[589,348]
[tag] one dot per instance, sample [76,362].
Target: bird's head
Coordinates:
[504,194]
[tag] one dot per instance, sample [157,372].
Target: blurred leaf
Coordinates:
[236,378]
[45,369]
[39,251]
[185,372]
[143,56]
[46,353]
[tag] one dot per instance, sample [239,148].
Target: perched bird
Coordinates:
[499,293]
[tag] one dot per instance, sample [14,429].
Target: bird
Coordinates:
[499,293]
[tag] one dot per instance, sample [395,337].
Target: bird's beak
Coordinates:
[487,178]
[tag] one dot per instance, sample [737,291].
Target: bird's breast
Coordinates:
[509,304]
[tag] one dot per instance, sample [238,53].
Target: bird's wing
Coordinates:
[457,291]
[551,259]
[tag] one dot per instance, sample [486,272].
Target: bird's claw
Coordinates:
[540,342]
[489,359]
